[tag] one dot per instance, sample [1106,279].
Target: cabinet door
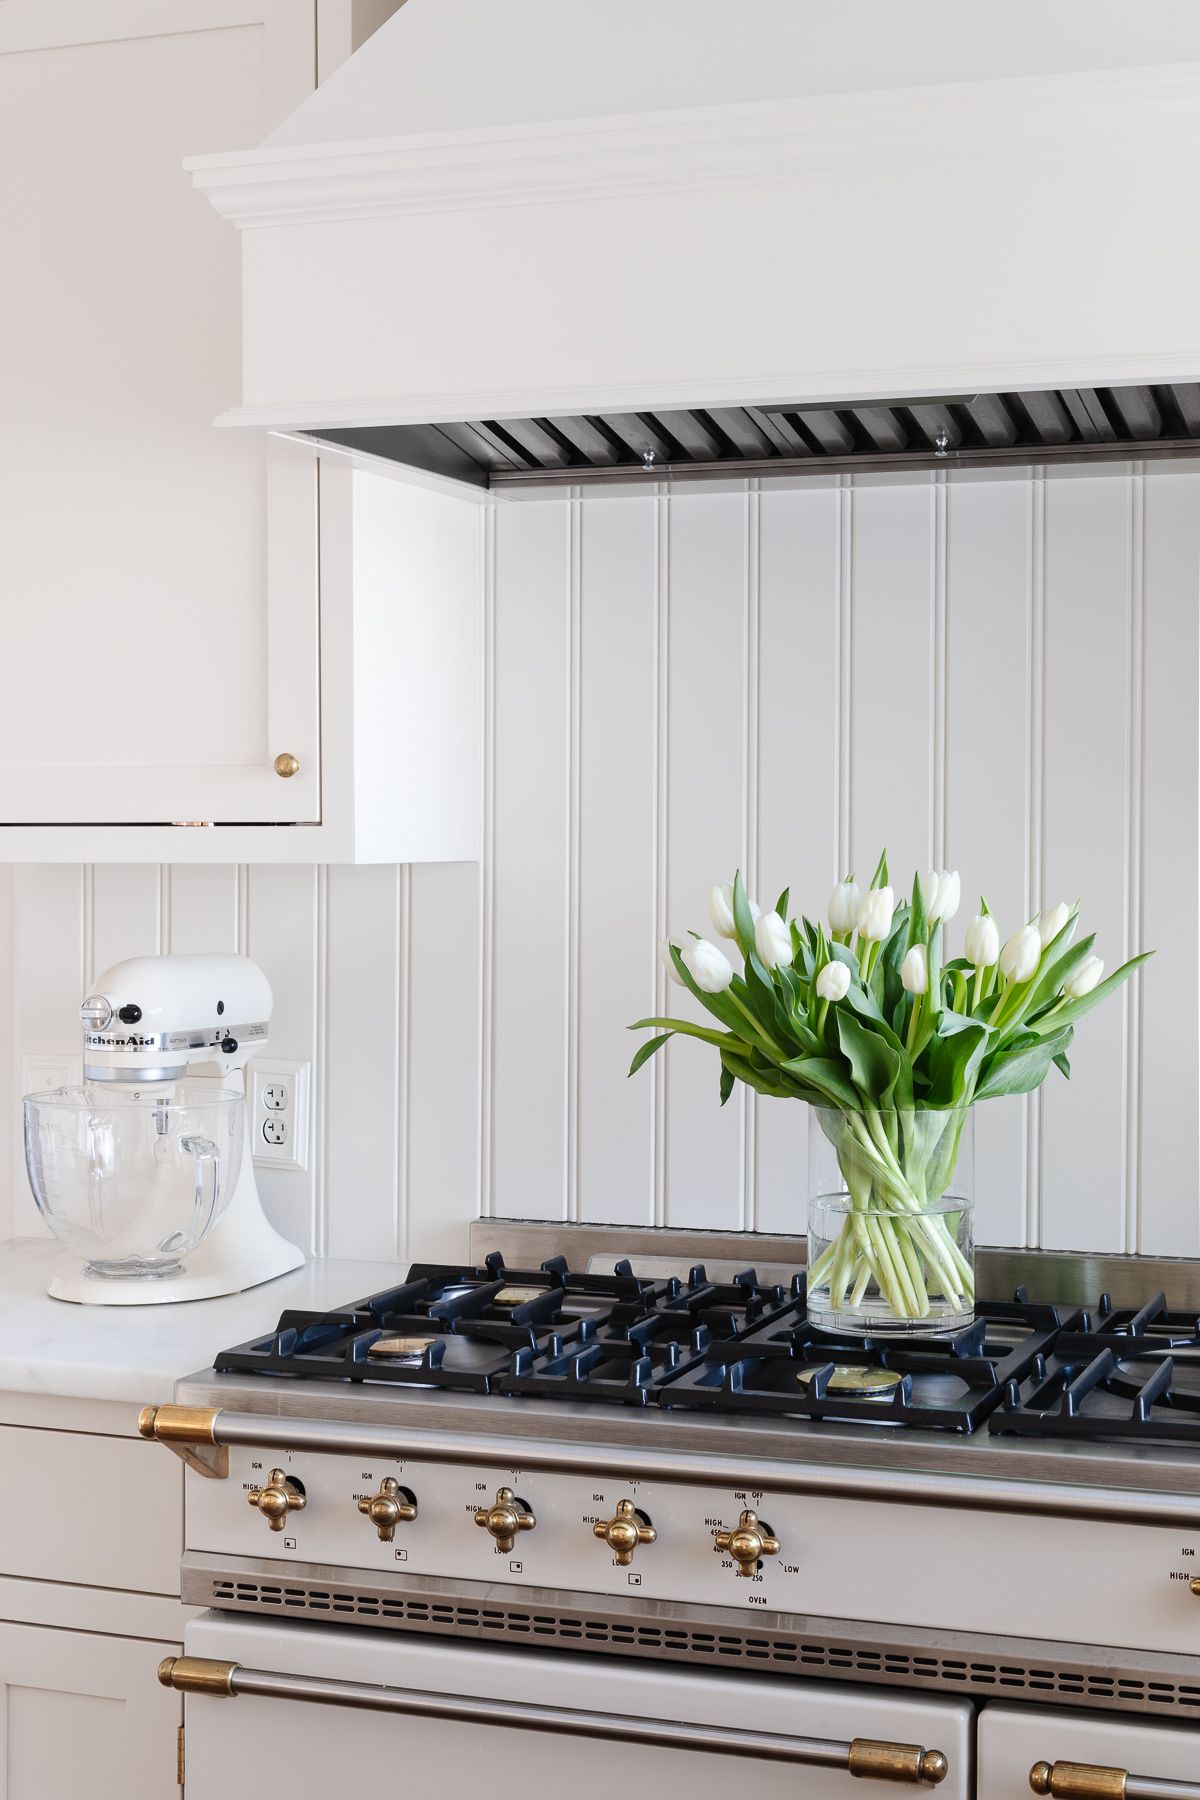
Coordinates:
[158,575]
[84,1714]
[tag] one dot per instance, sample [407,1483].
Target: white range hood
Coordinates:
[529,209]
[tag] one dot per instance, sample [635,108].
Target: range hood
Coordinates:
[513,241]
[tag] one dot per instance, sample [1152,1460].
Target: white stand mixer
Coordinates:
[156,1020]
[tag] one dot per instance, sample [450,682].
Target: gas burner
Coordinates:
[788,1367]
[1124,1374]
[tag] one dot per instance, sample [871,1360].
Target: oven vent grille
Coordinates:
[1102,1687]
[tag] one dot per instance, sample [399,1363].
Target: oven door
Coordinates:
[1022,1750]
[317,1709]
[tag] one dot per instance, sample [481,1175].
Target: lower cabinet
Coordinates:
[81,1714]
[1013,1739]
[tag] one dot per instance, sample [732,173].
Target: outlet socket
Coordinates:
[279,1113]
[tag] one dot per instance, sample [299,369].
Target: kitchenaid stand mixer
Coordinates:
[149,1023]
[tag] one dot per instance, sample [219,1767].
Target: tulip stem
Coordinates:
[759,1028]
[913,1023]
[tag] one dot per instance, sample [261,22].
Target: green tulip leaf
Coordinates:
[874,1065]
[648,1049]
[1020,1071]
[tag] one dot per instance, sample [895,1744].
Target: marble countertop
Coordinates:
[138,1353]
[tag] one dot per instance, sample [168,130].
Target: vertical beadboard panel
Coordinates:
[201,908]
[48,962]
[126,913]
[1170,1224]
[617,955]
[531,833]
[1087,599]
[283,933]
[10,1068]
[440,1110]
[987,626]
[891,750]
[706,796]
[362,1060]
[798,622]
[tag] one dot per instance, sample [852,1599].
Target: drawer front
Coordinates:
[1012,1740]
[101,1511]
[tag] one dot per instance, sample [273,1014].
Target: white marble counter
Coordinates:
[139,1352]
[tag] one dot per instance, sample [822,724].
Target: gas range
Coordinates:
[656,1456]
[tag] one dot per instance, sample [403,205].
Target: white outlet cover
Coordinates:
[38,1073]
[294,1077]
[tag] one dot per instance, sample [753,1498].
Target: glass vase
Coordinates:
[891,1205]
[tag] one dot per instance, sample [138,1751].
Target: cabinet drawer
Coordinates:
[103,1511]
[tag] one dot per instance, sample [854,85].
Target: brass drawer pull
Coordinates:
[879,1761]
[1089,1781]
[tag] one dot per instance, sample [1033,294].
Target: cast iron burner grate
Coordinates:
[788,1367]
[1122,1374]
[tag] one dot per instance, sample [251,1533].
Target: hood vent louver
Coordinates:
[961,430]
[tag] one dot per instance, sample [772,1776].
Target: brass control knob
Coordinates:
[278,1498]
[1195,1586]
[505,1519]
[625,1532]
[388,1508]
[748,1544]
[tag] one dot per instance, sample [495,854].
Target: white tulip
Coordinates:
[833,982]
[941,891]
[982,942]
[914,970]
[709,969]
[772,940]
[720,909]
[844,903]
[668,962]
[1021,955]
[1051,923]
[1086,977]
[875,914]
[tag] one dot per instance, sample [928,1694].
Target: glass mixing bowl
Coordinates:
[134,1178]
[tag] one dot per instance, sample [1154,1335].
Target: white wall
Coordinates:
[1000,674]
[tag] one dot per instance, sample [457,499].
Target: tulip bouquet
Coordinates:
[892,1041]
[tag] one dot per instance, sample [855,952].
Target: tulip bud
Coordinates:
[1022,954]
[1085,978]
[914,970]
[772,940]
[982,942]
[941,890]
[668,962]
[875,914]
[844,903]
[720,909]
[709,969]
[1051,923]
[833,982]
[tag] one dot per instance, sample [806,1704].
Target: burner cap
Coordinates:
[400,1346]
[847,1379]
[517,1296]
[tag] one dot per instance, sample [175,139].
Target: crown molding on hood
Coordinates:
[1074,117]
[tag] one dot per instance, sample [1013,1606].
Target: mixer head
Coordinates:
[157,1018]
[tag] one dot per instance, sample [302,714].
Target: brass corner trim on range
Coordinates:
[190,1431]
[197,1675]
[872,1760]
[1078,1781]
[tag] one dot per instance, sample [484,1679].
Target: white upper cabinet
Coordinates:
[169,650]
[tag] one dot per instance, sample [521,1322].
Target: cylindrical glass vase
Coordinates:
[891,1208]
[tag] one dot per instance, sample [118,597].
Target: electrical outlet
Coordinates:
[39,1073]
[279,1113]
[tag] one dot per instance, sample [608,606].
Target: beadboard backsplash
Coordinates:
[997,673]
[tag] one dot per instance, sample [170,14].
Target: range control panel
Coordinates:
[605,1532]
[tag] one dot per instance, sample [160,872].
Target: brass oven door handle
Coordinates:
[1089,1781]
[864,1757]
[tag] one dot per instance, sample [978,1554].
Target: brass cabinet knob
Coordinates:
[625,1532]
[748,1544]
[505,1518]
[280,1496]
[286,764]
[1078,1781]
[390,1507]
